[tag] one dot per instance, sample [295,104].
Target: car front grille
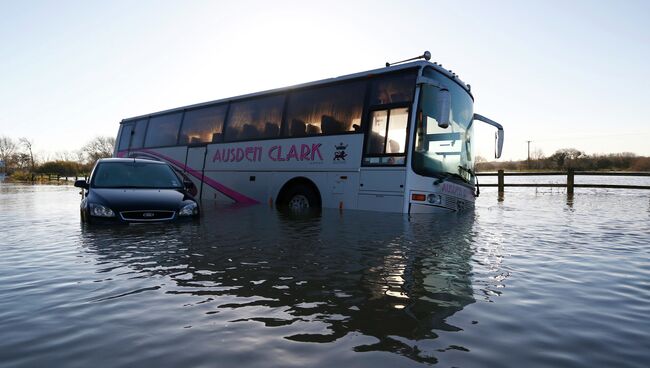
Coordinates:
[147,215]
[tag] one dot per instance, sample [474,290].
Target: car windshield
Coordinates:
[444,151]
[134,175]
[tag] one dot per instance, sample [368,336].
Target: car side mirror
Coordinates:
[188,185]
[443,102]
[81,184]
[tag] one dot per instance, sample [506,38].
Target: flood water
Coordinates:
[535,280]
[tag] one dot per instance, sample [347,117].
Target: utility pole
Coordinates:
[529,153]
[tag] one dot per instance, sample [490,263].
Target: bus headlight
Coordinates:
[100,211]
[189,210]
[434,198]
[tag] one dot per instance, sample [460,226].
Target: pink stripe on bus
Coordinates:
[236,196]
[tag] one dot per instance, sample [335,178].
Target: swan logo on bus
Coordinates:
[340,152]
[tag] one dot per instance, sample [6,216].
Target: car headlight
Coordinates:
[189,210]
[100,211]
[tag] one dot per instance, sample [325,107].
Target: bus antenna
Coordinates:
[426,56]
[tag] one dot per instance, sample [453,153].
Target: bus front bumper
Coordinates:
[423,202]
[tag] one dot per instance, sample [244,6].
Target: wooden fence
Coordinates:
[56,177]
[570,179]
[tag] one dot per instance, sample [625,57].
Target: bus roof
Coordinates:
[368,73]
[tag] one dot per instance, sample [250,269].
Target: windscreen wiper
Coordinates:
[469,171]
[446,176]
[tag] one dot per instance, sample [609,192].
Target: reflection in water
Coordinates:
[320,277]
[252,287]
[569,200]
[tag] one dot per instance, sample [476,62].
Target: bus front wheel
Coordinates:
[300,198]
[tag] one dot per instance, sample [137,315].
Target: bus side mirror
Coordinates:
[443,102]
[498,137]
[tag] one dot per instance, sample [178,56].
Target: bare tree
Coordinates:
[7,151]
[537,154]
[97,148]
[79,156]
[537,157]
[28,144]
[64,156]
[21,161]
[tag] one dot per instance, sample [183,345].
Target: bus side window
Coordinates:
[333,109]
[125,136]
[271,129]
[163,130]
[397,130]
[298,128]
[377,137]
[232,133]
[137,137]
[203,125]
[254,119]
[387,136]
[249,131]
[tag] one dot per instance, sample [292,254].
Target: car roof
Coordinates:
[140,160]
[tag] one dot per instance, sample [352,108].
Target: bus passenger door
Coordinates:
[383,168]
[195,167]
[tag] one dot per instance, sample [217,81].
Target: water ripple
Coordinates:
[534,280]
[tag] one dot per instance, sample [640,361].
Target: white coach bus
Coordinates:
[396,139]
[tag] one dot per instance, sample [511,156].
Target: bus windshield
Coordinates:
[135,175]
[447,151]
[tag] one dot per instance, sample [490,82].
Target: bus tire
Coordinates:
[300,197]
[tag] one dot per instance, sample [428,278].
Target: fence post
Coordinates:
[569,182]
[500,181]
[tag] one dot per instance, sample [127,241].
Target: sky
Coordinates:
[561,74]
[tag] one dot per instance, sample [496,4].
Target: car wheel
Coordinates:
[84,217]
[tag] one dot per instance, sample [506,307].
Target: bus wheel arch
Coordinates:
[299,193]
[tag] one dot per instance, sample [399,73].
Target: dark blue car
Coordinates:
[125,190]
